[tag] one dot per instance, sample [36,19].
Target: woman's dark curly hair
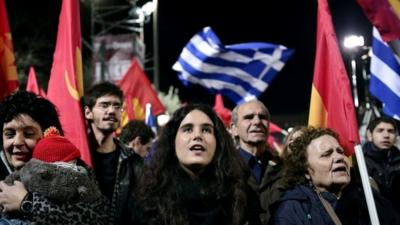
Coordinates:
[225,175]
[22,102]
[295,163]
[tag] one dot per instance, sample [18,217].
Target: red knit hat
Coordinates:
[55,148]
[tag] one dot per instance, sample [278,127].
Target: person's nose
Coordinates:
[256,119]
[339,157]
[197,134]
[19,140]
[386,134]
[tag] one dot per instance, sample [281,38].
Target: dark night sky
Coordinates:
[287,22]
[290,23]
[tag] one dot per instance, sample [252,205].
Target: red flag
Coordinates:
[138,91]
[331,100]
[32,84]
[224,113]
[65,84]
[8,70]
[382,14]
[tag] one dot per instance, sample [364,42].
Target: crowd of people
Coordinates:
[195,171]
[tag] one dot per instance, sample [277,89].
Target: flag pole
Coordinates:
[373,215]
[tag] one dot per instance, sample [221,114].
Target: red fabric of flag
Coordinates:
[224,113]
[8,69]
[138,91]
[65,85]
[383,16]
[331,100]
[32,84]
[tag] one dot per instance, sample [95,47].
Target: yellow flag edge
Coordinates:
[318,116]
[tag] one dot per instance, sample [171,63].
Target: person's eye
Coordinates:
[263,117]
[207,130]
[9,134]
[248,117]
[326,154]
[117,107]
[340,151]
[29,133]
[186,129]
[103,105]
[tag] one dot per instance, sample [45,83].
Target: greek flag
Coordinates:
[241,71]
[385,76]
[150,120]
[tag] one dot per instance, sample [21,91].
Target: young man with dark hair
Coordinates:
[116,167]
[383,157]
[138,136]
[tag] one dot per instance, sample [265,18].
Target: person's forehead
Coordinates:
[20,121]
[384,125]
[252,107]
[196,117]
[108,98]
[323,143]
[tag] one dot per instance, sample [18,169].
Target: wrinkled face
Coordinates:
[252,124]
[328,166]
[195,142]
[105,114]
[383,136]
[20,136]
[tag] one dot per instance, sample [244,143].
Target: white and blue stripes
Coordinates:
[150,120]
[241,71]
[385,76]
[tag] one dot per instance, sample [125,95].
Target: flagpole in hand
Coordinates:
[373,215]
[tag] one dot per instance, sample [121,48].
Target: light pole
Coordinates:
[156,66]
[353,42]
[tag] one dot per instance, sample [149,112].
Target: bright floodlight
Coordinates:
[353,41]
[148,8]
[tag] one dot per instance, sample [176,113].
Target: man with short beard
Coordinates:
[116,167]
[249,127]
[382,157]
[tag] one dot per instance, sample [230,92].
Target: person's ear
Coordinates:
[234,130]
[138,141]
[88,113]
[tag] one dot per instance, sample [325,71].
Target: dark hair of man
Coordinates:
[375,122]
[22,102]
[296,164]
[100,90]
[157,194]
[136,128]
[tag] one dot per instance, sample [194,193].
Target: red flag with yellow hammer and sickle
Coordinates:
[8,70]
[66,80]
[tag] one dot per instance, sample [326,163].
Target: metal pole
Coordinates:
[373,215]
[354,81]
[156,63]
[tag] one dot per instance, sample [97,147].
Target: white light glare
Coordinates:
[353,41]
[148,8]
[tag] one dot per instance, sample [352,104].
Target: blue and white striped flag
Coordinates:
[385,76]
[150,120]
[241,72]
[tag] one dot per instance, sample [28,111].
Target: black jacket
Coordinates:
[384,168]
[269,189]
[129,169]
